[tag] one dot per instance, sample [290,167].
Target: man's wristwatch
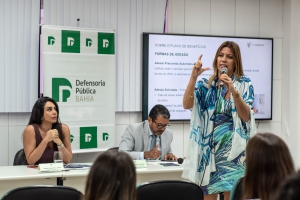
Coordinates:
[60,146]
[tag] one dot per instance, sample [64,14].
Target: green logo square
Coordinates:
[106,43]
[70,41]
[88,137]
[56,91]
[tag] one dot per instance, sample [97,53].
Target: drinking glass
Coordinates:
[58,157]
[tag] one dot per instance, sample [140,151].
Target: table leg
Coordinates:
[60,180]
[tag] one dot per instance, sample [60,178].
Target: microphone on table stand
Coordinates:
[180,160]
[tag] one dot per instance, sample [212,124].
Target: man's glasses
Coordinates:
[160,126]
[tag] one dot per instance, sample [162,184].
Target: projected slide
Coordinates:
[168,61]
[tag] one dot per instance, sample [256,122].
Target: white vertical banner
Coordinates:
[79,73]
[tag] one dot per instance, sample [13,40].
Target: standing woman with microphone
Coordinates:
[222,121]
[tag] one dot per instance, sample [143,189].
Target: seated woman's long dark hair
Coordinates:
[38,112]
[112,177]
[268,162]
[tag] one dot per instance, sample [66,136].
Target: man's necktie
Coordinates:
[153,141]
[158,142]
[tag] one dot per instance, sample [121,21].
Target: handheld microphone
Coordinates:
[224,70]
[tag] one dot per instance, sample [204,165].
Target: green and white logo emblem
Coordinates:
[106,43]
[105,136]
[88,42]
[71,138]
[61,86]
[70,41]
[51,40]
[88,137]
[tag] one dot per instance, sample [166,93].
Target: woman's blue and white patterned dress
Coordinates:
[218,137]
[227,172]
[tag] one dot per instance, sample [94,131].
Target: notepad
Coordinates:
[168,164]
[76,166]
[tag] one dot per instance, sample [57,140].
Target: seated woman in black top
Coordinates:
[45,134]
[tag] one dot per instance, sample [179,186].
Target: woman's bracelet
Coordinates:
[237,94]
[191,94]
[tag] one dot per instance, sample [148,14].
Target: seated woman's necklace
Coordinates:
[43,131]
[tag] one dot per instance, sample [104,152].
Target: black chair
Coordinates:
[20,158]
[44,192]
[237,192]
[169,190]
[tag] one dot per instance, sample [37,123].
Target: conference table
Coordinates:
[18,176]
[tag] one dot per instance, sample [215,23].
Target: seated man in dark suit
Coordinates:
[150,139]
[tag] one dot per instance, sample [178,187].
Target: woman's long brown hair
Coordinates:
[268,162]
[112,176]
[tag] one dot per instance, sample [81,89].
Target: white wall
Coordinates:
[19,54]
[129,18]
[11,129]
[255,18]
[290,77]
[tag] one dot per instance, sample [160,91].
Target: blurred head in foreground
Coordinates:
[268,162]
[112,176]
